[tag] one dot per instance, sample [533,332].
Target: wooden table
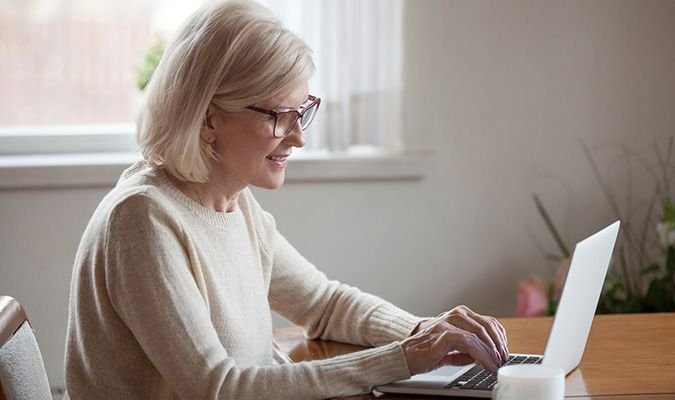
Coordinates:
[627,357]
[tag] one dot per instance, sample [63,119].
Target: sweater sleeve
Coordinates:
[328,309]
[151,287]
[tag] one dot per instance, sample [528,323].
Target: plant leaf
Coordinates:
[150,62]
[632,305]
[651,268]
[655,299]
[670,260]
[669,215]
[551,227]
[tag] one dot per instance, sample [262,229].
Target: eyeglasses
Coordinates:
[286,118]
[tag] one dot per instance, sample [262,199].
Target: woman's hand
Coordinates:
[457,337]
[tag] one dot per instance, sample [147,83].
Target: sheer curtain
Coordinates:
[358,54]
[357,50]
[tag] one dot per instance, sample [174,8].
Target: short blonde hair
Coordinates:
[230,53]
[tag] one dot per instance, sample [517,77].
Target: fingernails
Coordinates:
[494,369]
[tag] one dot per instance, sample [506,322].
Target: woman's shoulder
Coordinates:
[126,212]
[138,197]
[141,201]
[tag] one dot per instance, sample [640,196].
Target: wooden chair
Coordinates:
[22,372]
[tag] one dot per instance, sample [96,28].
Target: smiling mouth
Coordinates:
[278,161]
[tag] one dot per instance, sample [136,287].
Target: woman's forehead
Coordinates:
[293,98]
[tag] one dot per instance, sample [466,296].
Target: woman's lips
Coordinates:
[278,161]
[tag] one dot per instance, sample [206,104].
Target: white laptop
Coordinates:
[566,340]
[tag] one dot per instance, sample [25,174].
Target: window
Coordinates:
[68,68]
[358,53]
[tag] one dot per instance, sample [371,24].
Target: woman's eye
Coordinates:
[263,117]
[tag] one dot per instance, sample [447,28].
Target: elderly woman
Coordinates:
[180,267]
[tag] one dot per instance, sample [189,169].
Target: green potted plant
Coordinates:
[150,62]
[639,280]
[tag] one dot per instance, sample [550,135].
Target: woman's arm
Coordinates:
[152,289]
[326,309]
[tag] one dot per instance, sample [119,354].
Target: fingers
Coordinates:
[496,335]
[480,352]
[505,339]
[446,344]
[480,333]
[457,337]
[488,329]
[468,343]
[488,337]
[456,358]
[498,332]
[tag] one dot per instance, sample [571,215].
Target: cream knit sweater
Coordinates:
[172,300]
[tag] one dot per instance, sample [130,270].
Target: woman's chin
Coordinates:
[271,183]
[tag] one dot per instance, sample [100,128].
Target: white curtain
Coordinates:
[358,54]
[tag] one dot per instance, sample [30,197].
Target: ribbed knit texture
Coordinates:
[172,300]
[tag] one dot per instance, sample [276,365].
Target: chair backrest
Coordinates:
[22,372]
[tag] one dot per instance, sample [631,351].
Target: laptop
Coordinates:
[566,340]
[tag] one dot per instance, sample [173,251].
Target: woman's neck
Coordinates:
[211,195]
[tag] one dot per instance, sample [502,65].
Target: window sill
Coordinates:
[103,169]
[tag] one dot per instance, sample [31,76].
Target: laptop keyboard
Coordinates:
[478,378]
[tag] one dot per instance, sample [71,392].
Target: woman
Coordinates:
[179,267]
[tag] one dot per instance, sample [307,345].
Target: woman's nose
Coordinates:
[296,138]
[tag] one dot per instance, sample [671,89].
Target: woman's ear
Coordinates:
[208,134]
[207,118]
[207,122]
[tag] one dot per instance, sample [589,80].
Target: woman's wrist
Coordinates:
[420,326]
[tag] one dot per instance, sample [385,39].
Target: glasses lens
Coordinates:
[308,116]
[285,123]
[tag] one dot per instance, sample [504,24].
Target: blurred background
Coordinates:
[441,120]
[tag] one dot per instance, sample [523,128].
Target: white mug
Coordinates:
[532,382]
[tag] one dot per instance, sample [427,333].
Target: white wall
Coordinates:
[500,92]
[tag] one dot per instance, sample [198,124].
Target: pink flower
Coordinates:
[532,297]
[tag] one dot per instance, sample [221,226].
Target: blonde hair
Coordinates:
[230,53]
